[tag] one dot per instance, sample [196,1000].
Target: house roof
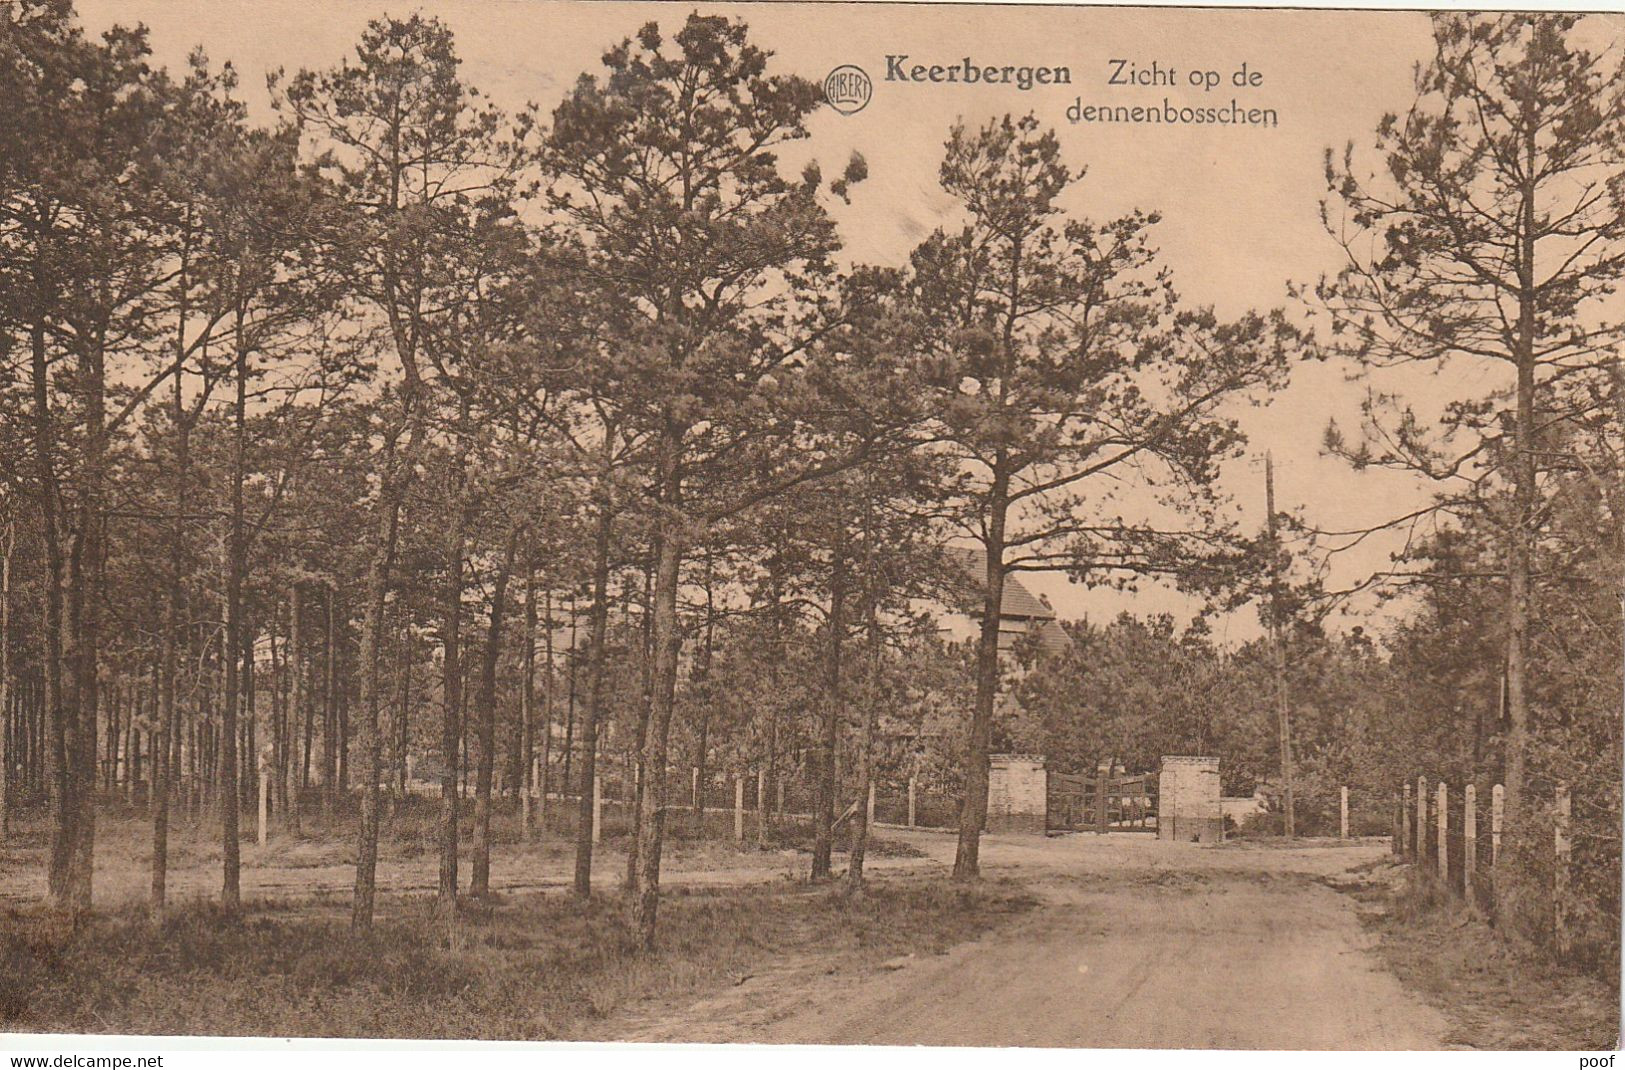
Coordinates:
[1021,613]
[1052,637]
[1017,602]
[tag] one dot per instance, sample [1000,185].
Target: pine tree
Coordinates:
[1062,364]
[1494,236]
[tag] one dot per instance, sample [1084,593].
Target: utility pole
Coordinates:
[1283,713]
[5,680]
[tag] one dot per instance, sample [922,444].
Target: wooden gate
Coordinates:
[1101,803]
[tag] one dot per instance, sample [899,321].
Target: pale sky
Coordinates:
[1239,204]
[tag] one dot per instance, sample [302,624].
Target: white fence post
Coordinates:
[761,807]
[739,808]
[910,802]
[1560,874]
[1469,840]
[1343,813]
[1443,806]
[1421,819]
[597,807]
[1498,809]
[1407,826]
[541,797]
[526,792]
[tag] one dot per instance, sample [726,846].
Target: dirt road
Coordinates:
[1136,944]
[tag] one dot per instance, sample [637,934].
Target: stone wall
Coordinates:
[1017,793]
[1188,806]
[1240,808]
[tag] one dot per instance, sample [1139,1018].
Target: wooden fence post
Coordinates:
[1560,874]
[739,808]
[869,807]
[1421,820]
[1343,813]
[761,807]
[1407,842]
[1469,841]
[541,797]
[910,802]
[1443,806]
[1498,809]
[527,791]
[1396,841]
[597,807]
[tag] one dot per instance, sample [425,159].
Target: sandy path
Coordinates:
[1136,944]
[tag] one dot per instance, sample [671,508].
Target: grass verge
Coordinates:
[532,967]
[1497,996]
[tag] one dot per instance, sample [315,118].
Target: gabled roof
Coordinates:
[1052,638]
[1017,603]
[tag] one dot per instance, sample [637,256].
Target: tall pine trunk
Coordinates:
[480,884]
[403,669]
[973,805]
[830,725]
[83,652]
[378,571]
[866,737]
[56,744]
[546,758]
[307,693]
[330,703]
[1521,564]
[596,640]
[666,640]
[297,715]
[527,695]
[645,705]
[400,462]
[236,554]
[451,615]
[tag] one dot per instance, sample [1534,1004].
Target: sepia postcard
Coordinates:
[882,525]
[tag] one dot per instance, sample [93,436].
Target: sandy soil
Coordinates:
[1136,944]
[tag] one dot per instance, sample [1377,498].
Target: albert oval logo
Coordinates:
[848,89]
